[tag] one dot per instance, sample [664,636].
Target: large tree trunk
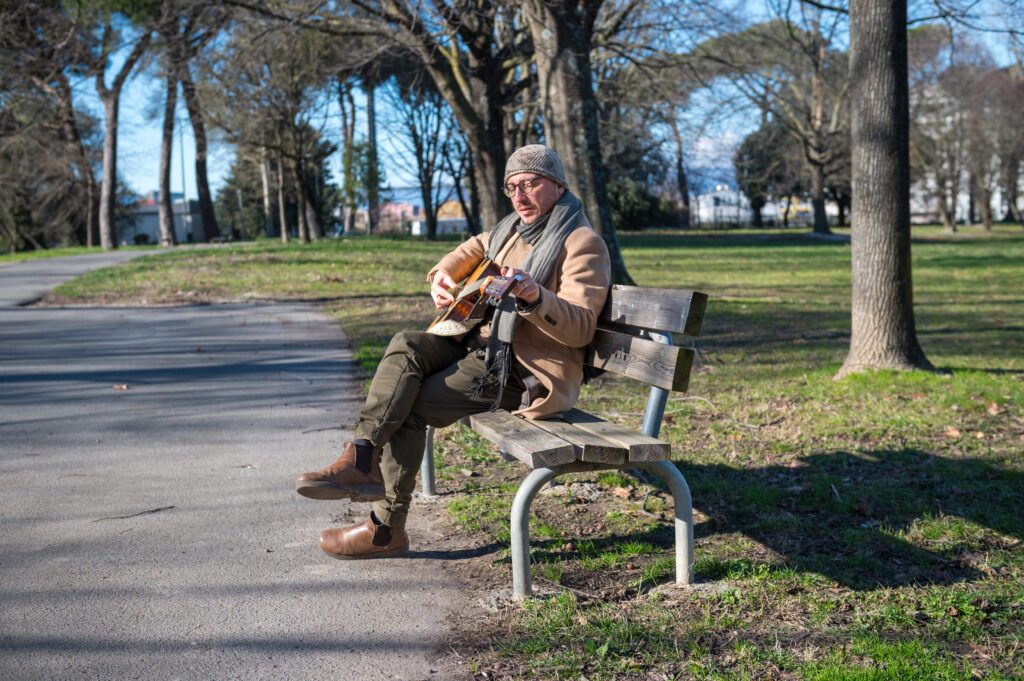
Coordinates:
[195,115]
[168,236]
[1011,176]
[682,184]
[883,335]
[561,37]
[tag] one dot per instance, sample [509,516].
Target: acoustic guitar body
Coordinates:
[485,286]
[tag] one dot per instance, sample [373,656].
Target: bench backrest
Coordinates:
[630,317]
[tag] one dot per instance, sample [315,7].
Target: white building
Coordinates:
[145,228]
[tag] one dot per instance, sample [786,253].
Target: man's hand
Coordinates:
[439,289]
[527,290]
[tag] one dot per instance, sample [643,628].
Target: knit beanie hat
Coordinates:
[536,158]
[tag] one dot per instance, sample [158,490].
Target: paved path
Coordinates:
[149,525]
[26,281]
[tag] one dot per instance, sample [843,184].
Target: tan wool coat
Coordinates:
[549,340]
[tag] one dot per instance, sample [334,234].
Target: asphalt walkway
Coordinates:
[149,525]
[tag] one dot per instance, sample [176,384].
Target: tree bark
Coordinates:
[561,34]
[195,115]
[168,235]
[883,334]
[348,140]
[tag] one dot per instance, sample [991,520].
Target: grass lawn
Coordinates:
[864,529]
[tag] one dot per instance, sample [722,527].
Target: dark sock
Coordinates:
[382,536]
[364,455]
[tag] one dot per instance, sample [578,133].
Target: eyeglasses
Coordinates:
[528,186]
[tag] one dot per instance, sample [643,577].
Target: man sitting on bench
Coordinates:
[528,359]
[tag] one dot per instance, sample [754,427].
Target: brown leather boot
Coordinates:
[363,541]
[342,480]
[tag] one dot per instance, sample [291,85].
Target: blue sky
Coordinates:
[140,131]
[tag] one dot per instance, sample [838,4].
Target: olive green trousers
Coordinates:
[422,380]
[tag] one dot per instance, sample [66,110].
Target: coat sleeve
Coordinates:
[570,304]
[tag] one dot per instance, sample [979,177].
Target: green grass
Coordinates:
[869,528]
[58,252]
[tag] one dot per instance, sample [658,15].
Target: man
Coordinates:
[528,359]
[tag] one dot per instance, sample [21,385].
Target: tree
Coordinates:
[263,89]
[883,333]
[787,67]
[110,38]
[424,120]
[43,48]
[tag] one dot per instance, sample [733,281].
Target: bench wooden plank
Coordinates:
[522,439]
[666,366]
[640,447]
[664,309]
[589,447]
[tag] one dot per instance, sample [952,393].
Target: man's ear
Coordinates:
[561,190]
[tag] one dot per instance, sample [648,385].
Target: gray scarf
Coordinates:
[547,235]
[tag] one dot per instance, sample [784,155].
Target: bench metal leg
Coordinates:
[427,466]
[521,577]
[520,519]
[684,516]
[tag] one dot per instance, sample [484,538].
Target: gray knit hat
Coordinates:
[536,158]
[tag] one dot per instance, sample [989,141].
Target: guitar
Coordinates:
[485,286]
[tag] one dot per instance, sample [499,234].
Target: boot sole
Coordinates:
[330,490]
[390,553]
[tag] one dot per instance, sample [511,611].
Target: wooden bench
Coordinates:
[634,340]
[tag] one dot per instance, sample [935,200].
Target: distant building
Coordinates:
[721,207]
[145,228]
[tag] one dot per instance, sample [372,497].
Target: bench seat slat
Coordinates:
[666,366]
[589,447]
[640,447]
[663,309]
[535,447]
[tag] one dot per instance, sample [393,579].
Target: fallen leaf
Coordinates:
[121,386]
[980,435]
[952,432]
[994,409]
[622,492]
[737,437]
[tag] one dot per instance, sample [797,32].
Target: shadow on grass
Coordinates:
[838,514]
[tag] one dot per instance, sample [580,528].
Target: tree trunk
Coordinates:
[111,99]
[195,115]
[268,216]
[282,213]
[312,214]
[562,44]
[108,185]
[985,208]
[348,134]
[818,199]
[883,335]
[168,234]
[682,184]
[1011,176]
[69,122]
[372,169]
[300,202]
